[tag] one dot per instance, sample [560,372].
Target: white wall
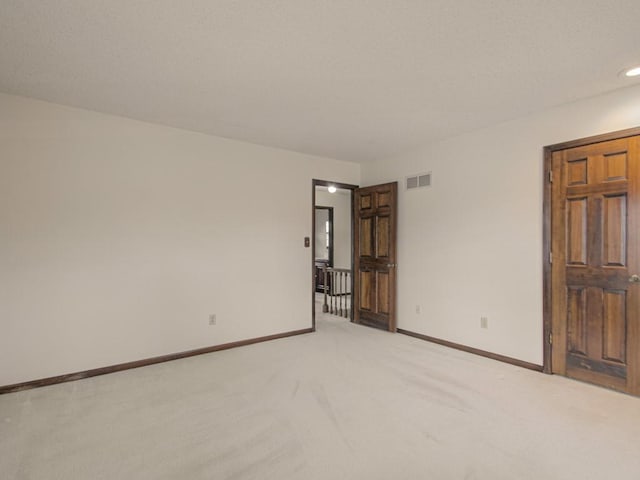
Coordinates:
[341,203]
[118,238]
[471,245]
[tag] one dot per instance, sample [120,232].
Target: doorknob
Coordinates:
[634,279]
[391,265]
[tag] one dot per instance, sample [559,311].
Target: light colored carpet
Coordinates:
[347,402]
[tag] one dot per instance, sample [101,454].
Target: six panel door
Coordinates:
[375,256]
[595,310]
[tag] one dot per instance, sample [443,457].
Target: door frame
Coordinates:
[345,186]
[547,291]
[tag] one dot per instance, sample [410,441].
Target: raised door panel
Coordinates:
[384,199]
[367,290]
[615,167]
[367,237]
[383,293]
[383,232]
[577,172]
[593,314]
[577,231]
[577,320]
[615,231]
[614,342]
[366,201]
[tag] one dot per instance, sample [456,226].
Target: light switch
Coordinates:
[307,242]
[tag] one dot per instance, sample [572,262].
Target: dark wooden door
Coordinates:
[375,211]
[595,304]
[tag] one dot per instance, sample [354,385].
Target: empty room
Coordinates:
[319,239]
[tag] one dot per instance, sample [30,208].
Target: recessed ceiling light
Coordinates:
[632,72]
[332,189]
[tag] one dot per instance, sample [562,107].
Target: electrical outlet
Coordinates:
[484,322]
[212,319]
[418,309]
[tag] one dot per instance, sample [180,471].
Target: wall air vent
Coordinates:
[418,181]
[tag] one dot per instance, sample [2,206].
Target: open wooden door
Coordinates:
[374,299]
[595,240]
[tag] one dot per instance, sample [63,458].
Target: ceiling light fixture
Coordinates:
[332,189]
[632,72]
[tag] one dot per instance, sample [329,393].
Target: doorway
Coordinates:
[592,260]
[332,248]
[364,286]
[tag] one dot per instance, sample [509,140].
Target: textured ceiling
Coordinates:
[355,80]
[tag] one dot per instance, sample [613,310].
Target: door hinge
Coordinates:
[550,338]
[550,176]
[550,257]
